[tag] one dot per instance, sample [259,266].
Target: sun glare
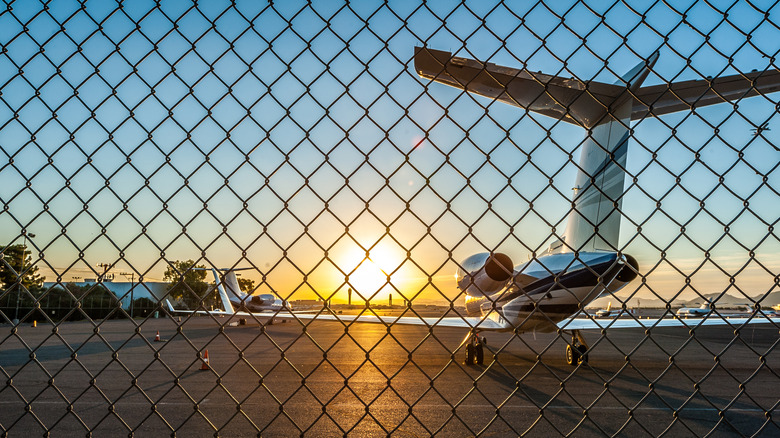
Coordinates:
[368,275]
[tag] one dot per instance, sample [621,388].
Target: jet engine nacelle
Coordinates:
[263,299]
[485,273]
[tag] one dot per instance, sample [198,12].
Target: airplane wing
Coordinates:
[231,312]
[584,103]
[172,310]
[623,323]
[489,324]
[464,322]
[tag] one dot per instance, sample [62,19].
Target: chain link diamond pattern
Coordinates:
[281,136]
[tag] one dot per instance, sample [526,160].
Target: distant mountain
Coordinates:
[773,299]
[717,299]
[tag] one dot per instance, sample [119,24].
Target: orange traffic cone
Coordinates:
[205,361]
[157,337]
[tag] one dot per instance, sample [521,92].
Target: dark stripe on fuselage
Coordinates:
[583,277]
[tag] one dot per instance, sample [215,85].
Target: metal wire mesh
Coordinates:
[141,140]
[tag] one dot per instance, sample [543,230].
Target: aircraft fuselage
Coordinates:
[257,304]
[565,283]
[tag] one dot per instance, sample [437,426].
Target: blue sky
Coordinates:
[301,106]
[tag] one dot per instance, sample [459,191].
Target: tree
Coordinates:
[96,301]
[144,306]
[187,284]
[11,267]
[56,302]
[246,285]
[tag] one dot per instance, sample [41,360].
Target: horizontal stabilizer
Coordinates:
[586,103]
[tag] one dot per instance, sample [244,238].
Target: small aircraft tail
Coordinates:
[228,307]
[228,287]
[231,281]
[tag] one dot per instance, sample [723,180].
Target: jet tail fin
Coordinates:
[228,307]
[635,77]
[594,221]
[231,282]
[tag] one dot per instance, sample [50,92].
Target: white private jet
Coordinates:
[707,308]
[237,302]
[545,293]
[702,310]
[605,313]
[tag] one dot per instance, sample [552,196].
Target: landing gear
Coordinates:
[469,354]
[475,350]
[571,357]
[583,350]
[577,351]
[479,351]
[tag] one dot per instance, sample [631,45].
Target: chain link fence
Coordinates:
[301,145]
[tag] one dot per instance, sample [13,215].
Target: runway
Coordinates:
[369,380]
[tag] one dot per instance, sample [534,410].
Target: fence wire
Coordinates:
[302,146]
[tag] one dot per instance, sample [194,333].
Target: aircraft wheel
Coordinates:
[469,354]
[480,354]
[572,355]
[583,353]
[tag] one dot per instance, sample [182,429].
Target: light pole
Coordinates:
[21,275]
[132,279]
[105,276]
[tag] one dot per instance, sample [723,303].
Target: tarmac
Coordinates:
[330,379]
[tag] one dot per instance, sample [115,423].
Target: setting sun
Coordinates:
[372,273]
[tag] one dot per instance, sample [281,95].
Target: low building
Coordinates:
[125,291]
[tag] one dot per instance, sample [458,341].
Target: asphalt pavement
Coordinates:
[331,379]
